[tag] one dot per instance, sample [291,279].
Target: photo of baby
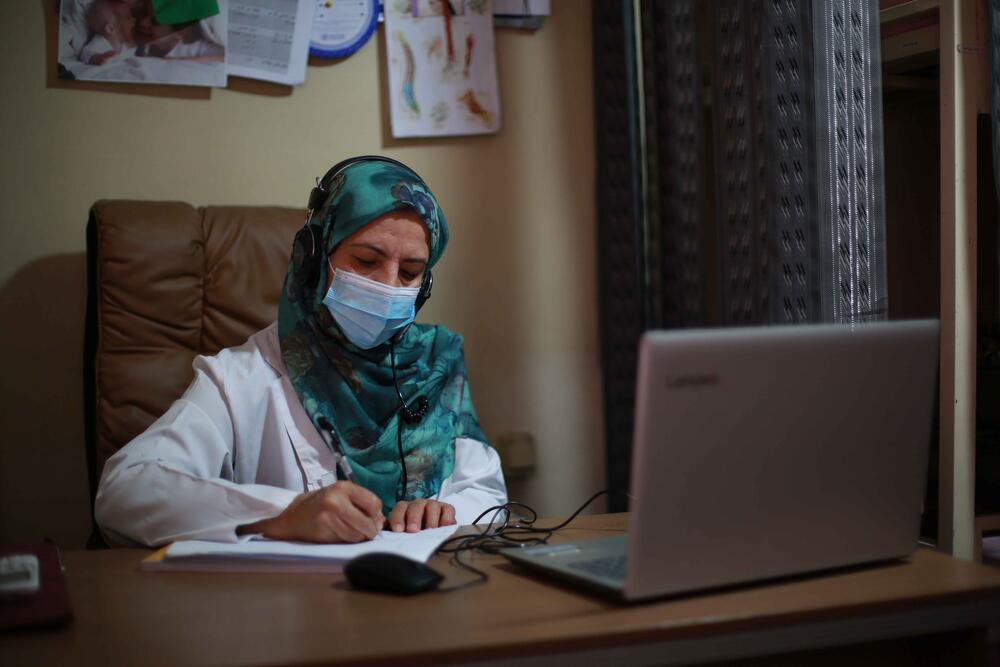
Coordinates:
[121,40]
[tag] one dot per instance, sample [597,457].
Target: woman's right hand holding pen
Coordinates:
[341,512]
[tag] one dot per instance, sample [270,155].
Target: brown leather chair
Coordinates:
[166,282]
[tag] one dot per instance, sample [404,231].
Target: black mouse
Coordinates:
[390,573]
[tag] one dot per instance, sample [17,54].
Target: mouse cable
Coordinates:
[500,534]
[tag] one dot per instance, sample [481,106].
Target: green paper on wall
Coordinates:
[170,12]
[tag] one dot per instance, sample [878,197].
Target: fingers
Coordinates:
[397,516]
[351,525]
[365,500]
[438,514]
[447,515]
[353,518]
[362,510]
[432,515]
[407,516]
[413,516]
[346,512]
[428,514]
[340,531]
[339,513]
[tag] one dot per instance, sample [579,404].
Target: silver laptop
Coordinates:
[765,452]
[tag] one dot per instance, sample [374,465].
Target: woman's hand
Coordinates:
[418,514]
[342,512]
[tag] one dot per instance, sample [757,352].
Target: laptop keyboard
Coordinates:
[611,567]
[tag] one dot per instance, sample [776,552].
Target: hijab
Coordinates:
[353,388]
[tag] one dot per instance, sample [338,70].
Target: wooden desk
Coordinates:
[124,616]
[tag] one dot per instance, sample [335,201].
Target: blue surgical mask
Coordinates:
[367,311]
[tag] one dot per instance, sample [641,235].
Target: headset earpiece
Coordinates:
[425,290]
[425,293]
[318,195]
[305,248]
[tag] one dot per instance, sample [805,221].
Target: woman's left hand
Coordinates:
[418,514]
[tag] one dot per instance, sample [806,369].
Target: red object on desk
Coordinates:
[50,606]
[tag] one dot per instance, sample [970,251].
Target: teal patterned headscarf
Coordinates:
[352,387]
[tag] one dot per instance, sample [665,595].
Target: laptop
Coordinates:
[765,452]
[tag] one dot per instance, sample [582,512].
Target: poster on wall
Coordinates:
[143,41]
[442,67]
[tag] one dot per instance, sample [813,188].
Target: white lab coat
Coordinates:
[237,447]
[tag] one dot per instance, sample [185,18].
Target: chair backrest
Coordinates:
[166,282]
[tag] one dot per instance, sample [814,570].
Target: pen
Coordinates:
[333,443]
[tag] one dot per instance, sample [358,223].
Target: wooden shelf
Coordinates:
[911,36]
[907,10]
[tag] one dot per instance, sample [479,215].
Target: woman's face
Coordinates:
[392,249]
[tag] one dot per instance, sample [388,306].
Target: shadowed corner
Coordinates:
[43,472]
[241,84]
[315,61]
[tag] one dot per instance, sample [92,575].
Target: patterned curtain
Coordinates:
[619,204]
[740,174]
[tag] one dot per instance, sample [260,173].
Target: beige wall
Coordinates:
[518,279]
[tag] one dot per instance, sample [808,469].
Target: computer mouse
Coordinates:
[390,573]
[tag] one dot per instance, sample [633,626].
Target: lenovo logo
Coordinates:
[689,381]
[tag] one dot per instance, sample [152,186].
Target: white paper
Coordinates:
[415,546]
[269,39]
[442,69]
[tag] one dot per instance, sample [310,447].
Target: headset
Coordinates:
[307,255]
[307,258]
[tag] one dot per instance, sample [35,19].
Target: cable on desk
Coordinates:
[500,533]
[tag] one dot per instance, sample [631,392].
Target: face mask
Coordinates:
[367,311]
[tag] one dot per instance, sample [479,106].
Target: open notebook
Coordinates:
[264,555]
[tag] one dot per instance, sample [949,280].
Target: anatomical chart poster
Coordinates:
[442,67]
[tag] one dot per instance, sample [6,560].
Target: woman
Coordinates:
[241,452]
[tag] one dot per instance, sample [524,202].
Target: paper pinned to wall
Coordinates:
[105,40]
[442,67]
[269,39]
